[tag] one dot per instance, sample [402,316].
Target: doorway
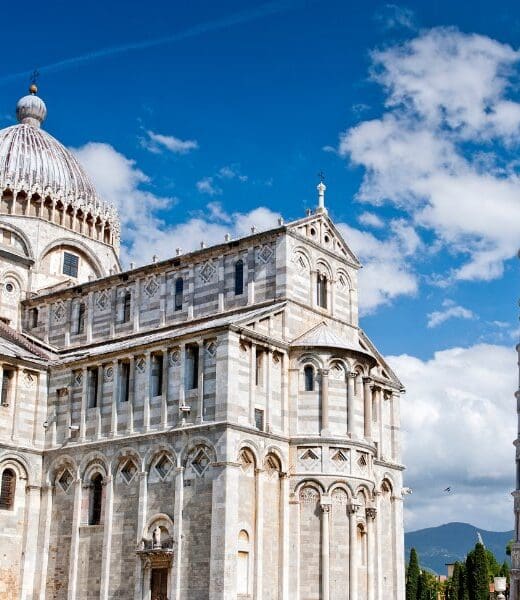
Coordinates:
[159,584]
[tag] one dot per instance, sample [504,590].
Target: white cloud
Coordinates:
[392,16]
[231,172]
[443,151]
[157,142]
[450,311]
[206,185]
[385,273]
[144,233]
[458,423]
[370,219]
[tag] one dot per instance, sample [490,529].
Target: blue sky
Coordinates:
[198,118]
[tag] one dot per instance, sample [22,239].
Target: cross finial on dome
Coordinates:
[31,109]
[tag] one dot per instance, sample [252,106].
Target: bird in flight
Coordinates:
[447,490]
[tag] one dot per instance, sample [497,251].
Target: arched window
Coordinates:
[243,563]
[308,373]
[127,303]
[33,318]
[321,290]
[179,291]
[239,277]
[8,490]
[96,495]
[80,325]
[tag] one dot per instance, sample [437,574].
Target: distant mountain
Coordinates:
[451,542]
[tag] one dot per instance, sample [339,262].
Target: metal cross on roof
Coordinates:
[321,175]
[34,76]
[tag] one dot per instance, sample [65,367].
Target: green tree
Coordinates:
[504,570]
[478,573]
[454,584]
[412,576]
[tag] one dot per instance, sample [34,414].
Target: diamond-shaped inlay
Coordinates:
[309,458]
[207,271]
[59,312]
[78,378]
[337,372]
[300,263]
[151,287]
[342,282]
[362,461]
[28,379]
[211,349]
[246,460]
[340,458]
[102,300]
[128,471]
[163,466]
[65,480]
[140,365]
[200,462]
[265,254]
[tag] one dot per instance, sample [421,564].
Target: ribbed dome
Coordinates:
[33,162]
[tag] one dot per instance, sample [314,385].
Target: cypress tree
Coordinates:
[463,583]
[478,575]
[455,582]
[412,576]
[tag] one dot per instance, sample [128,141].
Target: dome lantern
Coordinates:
[31,109]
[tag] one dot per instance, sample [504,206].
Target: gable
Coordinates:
[321,231]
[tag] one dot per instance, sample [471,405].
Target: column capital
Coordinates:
[352,374]
[324,372]
[325,507]
[353,508]
[367,380]
[371,512]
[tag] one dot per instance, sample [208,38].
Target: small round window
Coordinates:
[313,232]
[9,288]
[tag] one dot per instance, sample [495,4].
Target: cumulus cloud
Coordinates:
[385,273]
[209,185]
[458,425]
[450,311]
[392,16]
[370,219]
[144,233]
[157,143]
[444,151]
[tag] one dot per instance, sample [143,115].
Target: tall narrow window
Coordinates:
[80,325]
[157,374]
[127,304]
[33,318]
[243,563]
[179,292]
[259,368]
[259,419]
[321,289]
[92,387]
[8,490]
[125,382]
[308,372]
[192,367]
[70,264]
[96,497]
[7,386]
[239,277]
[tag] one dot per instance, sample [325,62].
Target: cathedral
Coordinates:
[211,426]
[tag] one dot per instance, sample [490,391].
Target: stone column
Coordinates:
[223,577]
[268,387]
[182,385]
[90,315]
[115,393]
[396,428]
[398,550]
[371,553]
[379,549]
[353,552]
[324,402]
[177,533]
[1,378]
[13,401]
[325,551]
[148,391]
[367,400]
[30,552]
[136,304]
[99,404]
[141,518]
[350,404]
[259,531]
[380,420]
[285,535]
[252,384]
[164,398]
[74,541]
[131,386]
[48,491]
[83,409]
[200,416]
[107,538]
